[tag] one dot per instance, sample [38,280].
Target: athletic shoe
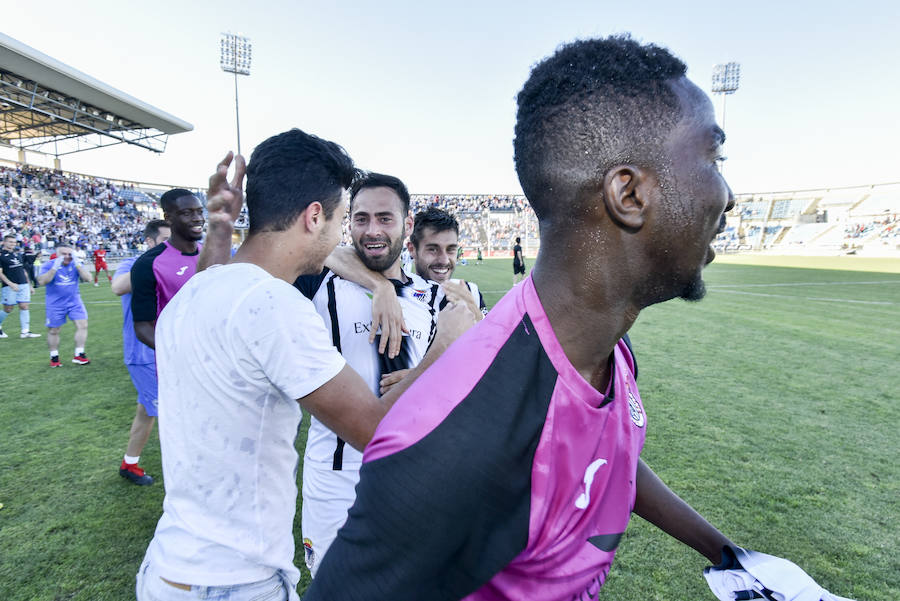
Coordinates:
[133,472]
[29,335]
[54,362]
[3,334]
[96,284]
[81,359]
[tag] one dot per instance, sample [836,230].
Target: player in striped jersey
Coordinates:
[379,223]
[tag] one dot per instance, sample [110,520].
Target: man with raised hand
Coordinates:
[511,468]
[140,361]
[239,352]
[60,276]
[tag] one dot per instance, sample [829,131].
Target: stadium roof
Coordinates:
[45,104]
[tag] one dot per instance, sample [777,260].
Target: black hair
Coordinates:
[288,172]
[591,106]
[151,230]
[437,219]
[380,180]
[167,201]
[13,236]
[518,240]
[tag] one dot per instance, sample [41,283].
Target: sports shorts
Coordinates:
[57,312]
[327,497]
[518,267]
[143,376]
[100,266]
[10,297]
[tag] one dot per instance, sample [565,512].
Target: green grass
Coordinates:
[773,409]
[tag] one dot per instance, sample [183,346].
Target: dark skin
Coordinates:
[643,243]
[186,217]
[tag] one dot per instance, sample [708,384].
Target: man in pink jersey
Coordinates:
[510,469]
[161,271]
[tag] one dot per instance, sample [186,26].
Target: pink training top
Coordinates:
[157,276]
[515,479]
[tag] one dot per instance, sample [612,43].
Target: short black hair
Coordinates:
[13,236]
[167,200]
[380,180]
[437,219]
[151,230]
[518,240]
[591,106]
[288,172]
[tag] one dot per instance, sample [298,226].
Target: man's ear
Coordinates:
[411,248]
[626,193]
[314,217]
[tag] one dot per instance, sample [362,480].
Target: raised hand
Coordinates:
[224,199]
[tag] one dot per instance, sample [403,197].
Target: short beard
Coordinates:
[380,264]
[694,291]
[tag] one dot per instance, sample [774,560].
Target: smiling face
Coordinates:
[435,255]
[378,228]
[9,242]
[186,218]
[694,197]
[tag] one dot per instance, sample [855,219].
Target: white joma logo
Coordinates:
[181,271]
[584,498]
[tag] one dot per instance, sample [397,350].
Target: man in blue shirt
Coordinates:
[140,361]
[61,276]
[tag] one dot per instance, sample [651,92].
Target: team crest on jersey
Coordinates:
[637,414]
[309,555]
[420,295]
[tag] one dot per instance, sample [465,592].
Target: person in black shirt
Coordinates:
[518,262]
[16,287]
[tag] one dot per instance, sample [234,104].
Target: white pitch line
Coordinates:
[811,298]
[803,284]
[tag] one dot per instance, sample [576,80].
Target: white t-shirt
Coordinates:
[350,306]
[235,348]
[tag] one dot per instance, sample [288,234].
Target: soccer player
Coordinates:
[434,246]
[17,288]
[511,468]
[239,352]
[140,361]
[100,264]
[61,276]
[518,262]
[379,223]
[161,271]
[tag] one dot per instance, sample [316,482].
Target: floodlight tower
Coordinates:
[234,57]
[725,80]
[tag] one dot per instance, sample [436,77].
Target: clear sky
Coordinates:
[426,90]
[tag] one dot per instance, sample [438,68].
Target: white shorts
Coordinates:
[327,497]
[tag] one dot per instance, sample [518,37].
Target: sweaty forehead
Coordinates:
[187,202]
[376,200]
[442,238]
[698,119]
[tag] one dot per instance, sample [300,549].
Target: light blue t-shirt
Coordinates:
[134,351]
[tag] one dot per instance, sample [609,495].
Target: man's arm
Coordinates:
[223,206]
[386,311]
[8,282]
[146,332]
[121,283]
[45,277]
[346,405]
[656,503]
[83,272]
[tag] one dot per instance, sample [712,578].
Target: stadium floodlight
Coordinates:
[726,79]
[235,53]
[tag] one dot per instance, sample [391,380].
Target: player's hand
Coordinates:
[14,286]
[224,199]
[457,292]
[388,316]
[747,574]
[388,380]
[454,320]
[57,262]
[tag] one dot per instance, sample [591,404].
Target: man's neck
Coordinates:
[579,301]
[395,272]
[184,245]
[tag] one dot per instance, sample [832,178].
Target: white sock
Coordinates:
[131,460]
[79,350]
[54,354]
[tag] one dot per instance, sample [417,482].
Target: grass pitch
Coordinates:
[773,409]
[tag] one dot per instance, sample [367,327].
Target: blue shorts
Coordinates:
[10,297]
[57,312]
[143,376]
